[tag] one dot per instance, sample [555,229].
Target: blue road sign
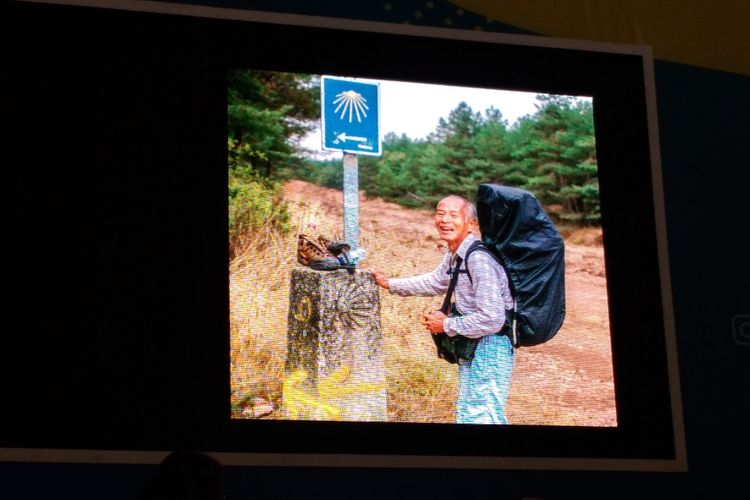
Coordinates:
[350,116]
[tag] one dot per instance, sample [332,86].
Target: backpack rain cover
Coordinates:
[519,232]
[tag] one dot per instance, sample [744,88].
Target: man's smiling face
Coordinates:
[451,222]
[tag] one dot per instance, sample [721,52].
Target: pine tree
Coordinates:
[268,112]
[554,154]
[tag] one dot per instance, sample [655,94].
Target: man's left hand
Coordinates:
[433,321]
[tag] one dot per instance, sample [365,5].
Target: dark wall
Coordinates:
[703,133]
[59,223]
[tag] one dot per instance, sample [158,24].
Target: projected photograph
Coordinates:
[414,253]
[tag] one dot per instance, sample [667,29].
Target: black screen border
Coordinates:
[648,431]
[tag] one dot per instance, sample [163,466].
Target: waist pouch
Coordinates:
[458,347]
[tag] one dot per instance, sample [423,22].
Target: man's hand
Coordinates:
[433,321]
[380,278]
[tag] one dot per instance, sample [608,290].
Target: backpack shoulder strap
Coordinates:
[454,272]
[510,318]
[478,246]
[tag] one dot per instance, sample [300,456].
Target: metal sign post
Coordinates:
[351,200]
[351,124]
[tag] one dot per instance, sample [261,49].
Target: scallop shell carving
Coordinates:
[355,305]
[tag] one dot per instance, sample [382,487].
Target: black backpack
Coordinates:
[519,234]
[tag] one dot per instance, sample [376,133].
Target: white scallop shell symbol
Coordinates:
[351,102]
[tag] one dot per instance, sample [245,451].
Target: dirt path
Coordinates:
[566,381]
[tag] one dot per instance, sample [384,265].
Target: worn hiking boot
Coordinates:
[324,242]
[326,264]
[338,248]
[310,253]
[308,250]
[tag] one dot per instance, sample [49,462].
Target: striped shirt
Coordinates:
[481,301]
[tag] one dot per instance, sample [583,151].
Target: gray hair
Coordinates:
[470,211]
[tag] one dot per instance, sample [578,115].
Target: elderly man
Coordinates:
[481,299]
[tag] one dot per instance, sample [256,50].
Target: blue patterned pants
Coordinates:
[483,382]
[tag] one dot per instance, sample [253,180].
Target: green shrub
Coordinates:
[256,205]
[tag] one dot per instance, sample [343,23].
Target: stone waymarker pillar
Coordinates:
[335,368]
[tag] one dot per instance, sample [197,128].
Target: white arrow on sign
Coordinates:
[343,138]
